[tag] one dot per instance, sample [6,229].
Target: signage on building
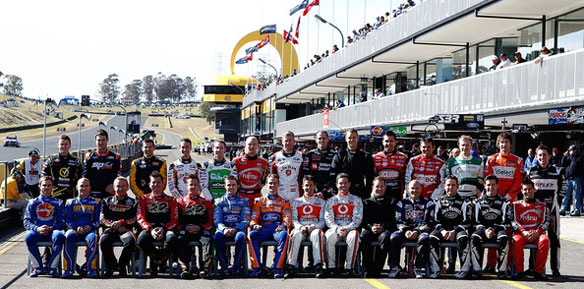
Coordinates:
[335,136]
[399,131]
[566,116]
[326,117]
[459,121]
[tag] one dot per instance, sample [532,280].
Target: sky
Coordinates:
[66,48]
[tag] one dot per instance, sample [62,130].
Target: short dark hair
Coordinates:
[322,131]
[273,176]
[231,178]
[194,177]
[101,132]
[65,137]
[427,139]
[451,177]
[46,178]
[342,175]
[349,131]
[527,182]
[156,174]
[492,177]
[148,140]
[379,179]
[390,133]
[187,140]
[543,147]
[308,178]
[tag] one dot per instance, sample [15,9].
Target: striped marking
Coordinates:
[572,240]
[10,246]
[515,284]
[376,284]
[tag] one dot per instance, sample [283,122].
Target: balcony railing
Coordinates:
[556,81]
[259,95]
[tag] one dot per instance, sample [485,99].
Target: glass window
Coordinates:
[390,84]
[458,61]
[443,70]
[530,40]
[411,74]
[571,31]
[486,52]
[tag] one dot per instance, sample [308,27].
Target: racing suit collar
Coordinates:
[218,163]
[273,197]
[322,151]
[289,154]
[194,197]
[250,157]
[390,153]
[529,201]
[102,154]
[424,157]
[186,161]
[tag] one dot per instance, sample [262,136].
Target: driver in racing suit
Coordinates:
[213,173]
[64,168]
[181,169]
[468,169]
[287,165]
[390,164]
[317,163]
[428,169]
[251,170]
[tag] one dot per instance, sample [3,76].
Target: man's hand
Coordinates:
[257,227]
[376,228]
[193,229]
[123,230]
[304,230]
[411,235]
[44,230]
[309,230]
[157,233]
[79,230]
[342,233]
[319,195]
[535,236]
[116,225]
[230,232]
[490,232]
[280,228]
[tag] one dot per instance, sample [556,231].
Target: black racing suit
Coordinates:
[65,171]
[376,211]
[101,170]
[491,212]
[318,164]
[359,166]
[140,171]
[548,184]
[124,210]
[452,213]
[413,215]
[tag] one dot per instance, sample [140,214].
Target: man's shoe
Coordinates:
[319,272]
[489,269]
[450,270]
[36,272]
[186,275]
[502,275]
[394,272]
[257,272]
[418,273]
[435,274]
[67,274]
[541,277]
[461,275]
[91,274]
[204,275]
[108,273]
[562,213]
[54,273]
[278,273]
[556,273]
[351,273]
[290,271]
[518,276]
[575,214]
[122,271]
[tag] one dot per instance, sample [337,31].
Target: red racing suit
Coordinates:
[391,167]
[508,169]
[430,172]
[288,167]
[158,211]
[530,215]
[252,172]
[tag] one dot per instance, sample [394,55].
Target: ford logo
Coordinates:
[473,125]
[231,218]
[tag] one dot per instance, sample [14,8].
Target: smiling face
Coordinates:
[343,186]
[352,140]
[379,188]
[83,187]
[101,143]
[528,191]
[465,145]
[389,143]
[121,188]
[156,185]
[451,187]
[46,186]
[231,187]
[322,140]
[491,187]
[193,187]
[251,146]
[543,157]
[148,149]
[185,150]
[273,185]
[415,189]
[288,141]
[64,147]
[308,187]
[427,148]
[219,151]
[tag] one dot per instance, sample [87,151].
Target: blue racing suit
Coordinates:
[230,212]
[80,212]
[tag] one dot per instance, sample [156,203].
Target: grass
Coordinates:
[183,127]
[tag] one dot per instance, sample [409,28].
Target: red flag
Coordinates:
[249,57]
[297,29]
[264,42]
[307,9]
[289,37]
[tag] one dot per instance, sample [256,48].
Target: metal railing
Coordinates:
[556,81]
[259,95]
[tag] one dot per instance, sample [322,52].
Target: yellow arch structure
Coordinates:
[286,50]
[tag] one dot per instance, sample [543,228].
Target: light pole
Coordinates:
[50,102]
[81,116]
[268,64]
[335,27]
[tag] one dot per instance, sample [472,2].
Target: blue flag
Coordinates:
[268,29]
[299,7]
[251,49]
[241,61]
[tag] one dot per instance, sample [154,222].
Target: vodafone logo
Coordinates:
[45,211]
[343,209]
[307,210]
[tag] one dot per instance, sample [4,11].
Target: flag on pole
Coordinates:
[263,42]
[249,57]
[241,61]
[251,49]
[296,35]
[299,7]
[307,9]
[268,29]
[289,37]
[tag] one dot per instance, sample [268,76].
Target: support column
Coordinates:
[543,18]
[467,60]
[417,74]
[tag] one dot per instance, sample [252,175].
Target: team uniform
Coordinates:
[343,212]
[65,171]
[140,171]
[359,166]
[81,212]
[39,212]
[391,167]
[251,172]
[31,175]
[469,171]
[124,210]
[194,211]
[270,212]
[491,212]
[430,172]
[508,168]
[213,176]
[288,167]
[377,210]
[412,215]
[14,194]
[156,212]
[230,212]
[452,213]
[318,164]
[530,215]
[548,184]
[178,171]
[101,170]
[307,212]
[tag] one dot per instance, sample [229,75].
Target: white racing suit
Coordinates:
[288,167]
[343,212]
[307,212]
[178,171]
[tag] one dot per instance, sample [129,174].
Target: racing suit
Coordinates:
[430,172]
[31,175]
[230,212]
[213,176]
[548,184]
[359,166]
[101,170]
[178,171]
[377,210]
[270,212]
[412,215]
[288,167]
[124,210]
[194,211]
[530,215]
[491,212]
[508,169]
[318,164]
[81,212]
[307,212]
[44,211]
[391,167]
[343,212]
[469,171]
[140,171]
[251,172]
[452,213]
[65,171]
[156,212]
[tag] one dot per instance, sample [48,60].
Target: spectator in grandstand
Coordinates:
[530,221]
[339,103]
[32,171]
[14,193]
[142,168]
[495,61]
[505,62]
[378,94]
[530,160]
[349,39]
[411,3]
[362,97]
[519,58]
[573,165]
[335,48]
[356,35]
[544,52]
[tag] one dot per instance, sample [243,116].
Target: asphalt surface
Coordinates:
[13,259]
[87,140]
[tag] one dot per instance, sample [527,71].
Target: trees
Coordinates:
[109,89]
[190,88]
[13,85]
[133,91]
[148,87]
[205,110]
